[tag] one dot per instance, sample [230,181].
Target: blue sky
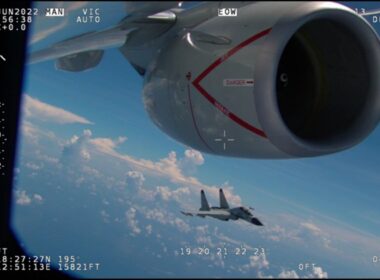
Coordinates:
[92,167]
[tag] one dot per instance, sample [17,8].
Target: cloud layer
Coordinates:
[24,199]
[148,194]
[34,108]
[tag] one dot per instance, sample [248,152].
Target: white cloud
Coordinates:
[275,233]
[217,260]
[91,171]
[341,237]
[203,230]
[105,216]
[256,263]
[288,274]
[34,108]
[29,131]
[194,156]
[298,231]
[318,273]
[294,229]
[259,261]
[33,166]
[226,239]
[41,21]
[165,217]
[166,194]
[44,33]
[181,225]
[121,139]
[131,221]
[80,149]
[191,160]
[106,144]
[135,179]
[85,154]
[37,198]
[33,133]
[22,198]
[203,237]
[168,167]
[87,133]
[312,228]
[134,187]
[156,215]
[149,229]
[308,228]
[260,274]
[76,150]
[46,158]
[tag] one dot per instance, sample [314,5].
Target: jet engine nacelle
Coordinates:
[279,80]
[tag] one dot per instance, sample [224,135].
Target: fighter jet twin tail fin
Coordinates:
[222,200]
[204,204]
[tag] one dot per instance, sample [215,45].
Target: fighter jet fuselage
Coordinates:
[224,212]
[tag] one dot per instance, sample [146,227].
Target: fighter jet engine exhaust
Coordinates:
[282,80]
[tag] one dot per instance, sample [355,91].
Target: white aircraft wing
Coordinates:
[86,50]
[145,8]
[370,13]
[211,213]
[188,213]
[92,41]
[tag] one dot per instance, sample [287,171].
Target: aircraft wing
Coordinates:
[86,50]
[212,213]
[188,213]
[92,41]
[370,13]
[145,8]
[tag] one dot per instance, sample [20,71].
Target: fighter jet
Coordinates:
[224,212]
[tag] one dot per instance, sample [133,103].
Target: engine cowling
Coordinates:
[280,80]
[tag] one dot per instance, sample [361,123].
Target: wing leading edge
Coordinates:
[76,53]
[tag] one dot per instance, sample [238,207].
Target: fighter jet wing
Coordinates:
[188,213]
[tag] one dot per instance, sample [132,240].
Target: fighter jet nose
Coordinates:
[256,222]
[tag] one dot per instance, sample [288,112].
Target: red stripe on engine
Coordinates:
[216,103]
